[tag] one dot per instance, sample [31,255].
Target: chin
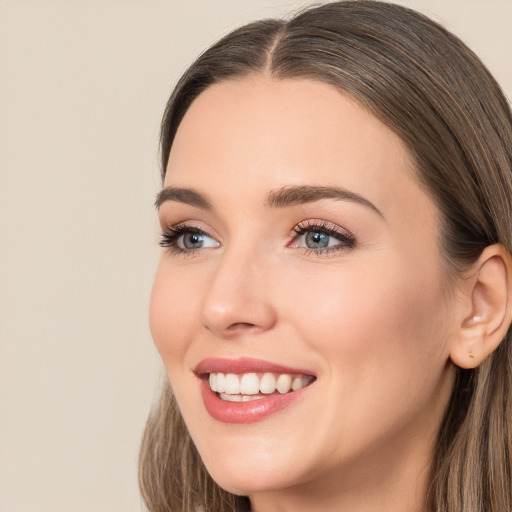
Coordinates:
[252,471]
[245,481]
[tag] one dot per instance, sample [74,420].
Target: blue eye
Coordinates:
[186,239]
[320,238]
[194,240]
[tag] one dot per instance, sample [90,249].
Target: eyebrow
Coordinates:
[291,195]
[281,198]
[182,195]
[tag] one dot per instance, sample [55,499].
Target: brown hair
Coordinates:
[427,86]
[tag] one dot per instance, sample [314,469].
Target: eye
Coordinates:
[322,237]
[186,239]
[194,241]
[318,240]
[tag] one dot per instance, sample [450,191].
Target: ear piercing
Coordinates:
[475,320]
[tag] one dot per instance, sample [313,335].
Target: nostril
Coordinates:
[240,326]
[233,316]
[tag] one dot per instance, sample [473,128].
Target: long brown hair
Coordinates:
[427,86]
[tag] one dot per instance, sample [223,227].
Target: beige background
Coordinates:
[82,88]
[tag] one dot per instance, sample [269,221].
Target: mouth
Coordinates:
[255,386]
[248,390]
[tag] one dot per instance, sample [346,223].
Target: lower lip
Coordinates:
[246,412]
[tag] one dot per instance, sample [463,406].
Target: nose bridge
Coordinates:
[238,298]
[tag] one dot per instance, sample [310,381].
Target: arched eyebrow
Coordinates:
[183,195]
[293,195]
[281,198]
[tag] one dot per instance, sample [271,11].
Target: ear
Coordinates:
[485,308]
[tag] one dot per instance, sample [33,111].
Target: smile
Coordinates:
[249,390]
[254,386]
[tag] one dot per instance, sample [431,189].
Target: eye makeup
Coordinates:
[319,237]
[185,238]
[312,237]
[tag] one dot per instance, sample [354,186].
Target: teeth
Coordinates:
[268,383]
[239,398]
[284,383]
[213,381]
[220,383]
[249,398]
[250,386]
[231,398]
[232,384]
[298,383]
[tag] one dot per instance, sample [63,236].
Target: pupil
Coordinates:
[193,240]
[317,239]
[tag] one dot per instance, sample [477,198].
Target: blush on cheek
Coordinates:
[163,323]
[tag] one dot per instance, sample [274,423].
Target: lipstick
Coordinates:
[247,390]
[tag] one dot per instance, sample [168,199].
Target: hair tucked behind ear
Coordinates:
[428,87]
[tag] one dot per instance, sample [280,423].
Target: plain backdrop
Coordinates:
[82,87]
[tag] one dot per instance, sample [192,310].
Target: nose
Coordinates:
[238,300]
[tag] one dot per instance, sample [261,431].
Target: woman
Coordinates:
[333,300]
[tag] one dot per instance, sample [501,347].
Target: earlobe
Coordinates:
[486,310]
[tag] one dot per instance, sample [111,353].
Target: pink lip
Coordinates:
[245,412]
[244,365]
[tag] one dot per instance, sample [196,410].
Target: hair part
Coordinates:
[427,86]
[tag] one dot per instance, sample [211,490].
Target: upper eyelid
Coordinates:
[322,225]
[346,238]
[172,233]
[304,225]
[184,225]
[188,225]
[183,228]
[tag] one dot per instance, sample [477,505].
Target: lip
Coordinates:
[245,412]
[244,365]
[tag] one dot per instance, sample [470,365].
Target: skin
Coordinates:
[372,321]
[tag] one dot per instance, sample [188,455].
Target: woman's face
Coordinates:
[300,246]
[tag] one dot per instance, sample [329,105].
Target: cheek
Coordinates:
[381,337]
[171,307]
[377,325]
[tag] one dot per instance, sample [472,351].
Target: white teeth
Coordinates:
[213,381]
[250,386]
[268,383]
[231,398]
[220,383]
[250,398]
[298,383]
[232,384]
[239,398]
[284,383]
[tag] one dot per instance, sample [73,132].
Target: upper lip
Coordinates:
[244,365]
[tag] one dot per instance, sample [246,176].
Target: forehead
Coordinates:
[258,133]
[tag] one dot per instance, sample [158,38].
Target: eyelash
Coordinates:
[171,235]
[347,240]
